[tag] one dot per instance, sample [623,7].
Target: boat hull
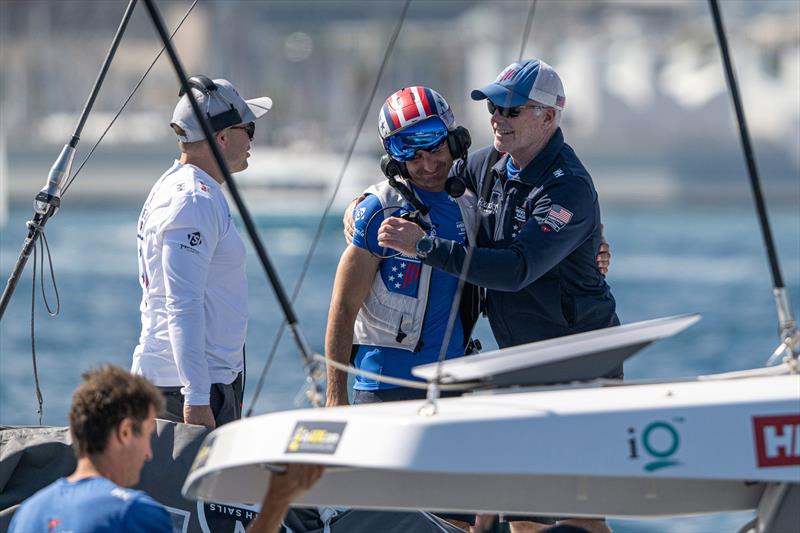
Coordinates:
[631,450]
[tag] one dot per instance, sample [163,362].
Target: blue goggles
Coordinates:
[428,135]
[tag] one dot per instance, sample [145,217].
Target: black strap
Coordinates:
[494,156]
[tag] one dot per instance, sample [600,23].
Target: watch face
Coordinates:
[424,245]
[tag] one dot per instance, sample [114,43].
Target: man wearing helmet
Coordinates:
[540,222]
[394,309]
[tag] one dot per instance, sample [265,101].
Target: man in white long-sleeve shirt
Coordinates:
[192,264]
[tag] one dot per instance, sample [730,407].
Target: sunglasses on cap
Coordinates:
[511,112]
[249,129]
[428,135]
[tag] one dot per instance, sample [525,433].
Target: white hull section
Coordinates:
[628,450]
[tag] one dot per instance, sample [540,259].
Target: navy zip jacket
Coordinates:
[538,240]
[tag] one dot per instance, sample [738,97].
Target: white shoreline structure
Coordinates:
[637,449]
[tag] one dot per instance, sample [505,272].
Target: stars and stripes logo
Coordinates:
[409,104]
[508,73]
[556,218]
[401,275]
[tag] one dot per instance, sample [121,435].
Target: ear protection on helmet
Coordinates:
[458,141]
[223,120]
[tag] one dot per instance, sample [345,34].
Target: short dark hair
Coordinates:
[107,396]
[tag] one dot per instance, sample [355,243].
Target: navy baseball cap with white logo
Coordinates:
[531,79]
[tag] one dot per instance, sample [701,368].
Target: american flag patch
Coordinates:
[557,217]
[401,275]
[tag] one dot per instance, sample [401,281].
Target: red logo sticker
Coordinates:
[777,440]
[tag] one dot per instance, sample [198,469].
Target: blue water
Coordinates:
[665,262]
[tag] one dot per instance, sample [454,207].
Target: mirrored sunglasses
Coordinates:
[428,136]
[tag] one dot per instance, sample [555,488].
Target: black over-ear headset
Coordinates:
[223,120]
[458,142]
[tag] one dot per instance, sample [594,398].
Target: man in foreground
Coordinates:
[540,224]
[112,419]
[192,264]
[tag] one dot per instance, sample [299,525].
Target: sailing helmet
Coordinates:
[414,118]
[410,106]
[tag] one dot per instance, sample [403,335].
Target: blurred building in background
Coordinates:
[647,106]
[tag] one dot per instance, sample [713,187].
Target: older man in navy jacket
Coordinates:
[540,221]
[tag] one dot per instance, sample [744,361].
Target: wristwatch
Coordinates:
[425,246]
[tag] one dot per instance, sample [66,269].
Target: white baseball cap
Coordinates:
[222,105]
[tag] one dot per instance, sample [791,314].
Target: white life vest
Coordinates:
[395,320]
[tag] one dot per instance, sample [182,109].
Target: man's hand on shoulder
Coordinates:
[603,253]
[401,235]
[200,415]
[348,222]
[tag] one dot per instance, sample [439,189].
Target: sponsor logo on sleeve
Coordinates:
[557,173]
[359,214]
[194,239]
[777,440]
[315,437]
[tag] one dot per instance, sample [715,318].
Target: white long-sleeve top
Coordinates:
[194,288]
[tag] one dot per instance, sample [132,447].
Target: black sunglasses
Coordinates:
[511,112]
[249,129]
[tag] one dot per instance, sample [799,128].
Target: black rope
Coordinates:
[102,74]
[45,247]
[747,147]
[471,243]
[39,397]
[321,225]
[125,103]
[527,31]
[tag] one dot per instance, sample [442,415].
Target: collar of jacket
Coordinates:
[533,171]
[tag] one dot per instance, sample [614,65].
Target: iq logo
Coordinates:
[657,443]
[777,440]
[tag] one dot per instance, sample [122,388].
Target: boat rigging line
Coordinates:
[48,200]
[435,386]
[57,193]
[329,205]
[46,204]
[311,366]
[127,100]
[787,326]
